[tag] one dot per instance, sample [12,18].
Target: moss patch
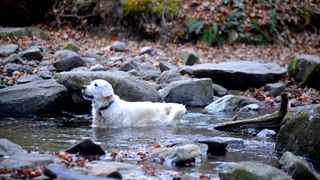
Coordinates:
[292,67]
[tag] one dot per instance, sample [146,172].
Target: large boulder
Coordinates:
[299,132]
[127,87]
[306,70]
[41,96]
[238,74]
[251,171]
[230,103]
[297,167]
[192,92]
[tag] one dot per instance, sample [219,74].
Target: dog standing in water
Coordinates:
[109,110]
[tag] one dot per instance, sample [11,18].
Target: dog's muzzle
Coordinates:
[86,96]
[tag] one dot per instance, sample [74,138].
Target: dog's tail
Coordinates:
[176,112]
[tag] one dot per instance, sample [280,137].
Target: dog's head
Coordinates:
[98,89]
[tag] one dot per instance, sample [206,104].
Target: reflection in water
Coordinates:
[57,134]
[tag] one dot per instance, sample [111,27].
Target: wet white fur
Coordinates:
[128,114]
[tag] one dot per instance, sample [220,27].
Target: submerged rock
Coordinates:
[43,96]
[251,171]
[193,92]
[297,167]
[85,148]
[306,70]
[299,132]
[230,103]
[8,148]
[238,74]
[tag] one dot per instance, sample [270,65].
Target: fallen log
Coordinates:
[268,121]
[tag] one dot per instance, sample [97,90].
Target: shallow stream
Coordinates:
[57,134]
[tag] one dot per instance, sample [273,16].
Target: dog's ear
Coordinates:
[107,91]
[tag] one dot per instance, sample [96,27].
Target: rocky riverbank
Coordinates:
[42,80]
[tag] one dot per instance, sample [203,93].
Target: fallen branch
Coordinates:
[268,121]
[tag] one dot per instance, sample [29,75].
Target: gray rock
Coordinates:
[8,148]
[45,74]
[164,66]
[299,132]
[119,46]
[85,148]
[297,167]
[129,65]
[305,69]
[90,61]
[148,71]
[94,53]
[72,46]
[128,87]
[69,63]
[45,63]
[238,74]
[127,171]
[188,57]
[135,73]
[251,171]
[62,54]
[194,92]
[275,89]
[20,161]
[11,67]
[31,54]
[229,103]
[219,90]
[13,58]
[23,31]
[170,76]
[42,96]
[179,155]
[55,171]
[98,67]
[28,78]
[215,147]
[100,168]
[7,49]
[148,50]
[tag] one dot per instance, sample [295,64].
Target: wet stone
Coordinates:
[86,148]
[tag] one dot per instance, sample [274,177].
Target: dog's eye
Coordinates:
[95,84]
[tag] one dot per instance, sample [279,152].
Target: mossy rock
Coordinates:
[305,69]
[299,132]
[251,171]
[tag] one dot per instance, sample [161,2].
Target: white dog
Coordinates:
[109,110]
